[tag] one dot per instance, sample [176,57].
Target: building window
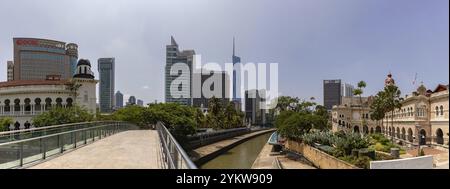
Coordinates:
[442,110]
[437,111]
[7,108]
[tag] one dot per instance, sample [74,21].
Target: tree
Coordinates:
[60,115]
[378,107]
[358,92]
[321,121]
[132,114]
[286,102]
[392,101]
[5,122]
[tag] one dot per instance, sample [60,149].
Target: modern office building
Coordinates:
[223,86]
[254,113]
[106,87]
[119,100]
[140,102]
[35,59]
[131,100]
[178,94]
[347,90]
[236,60]
[10,70]
[331,93]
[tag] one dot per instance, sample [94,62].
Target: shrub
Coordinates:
[324,138]
[422,153]
[362,162]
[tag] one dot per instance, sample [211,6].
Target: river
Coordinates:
[240,157]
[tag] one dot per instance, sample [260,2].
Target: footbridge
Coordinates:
[92,145]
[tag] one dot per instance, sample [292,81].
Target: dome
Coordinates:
[84,62]
[389,80]
[84,69]
[422,89]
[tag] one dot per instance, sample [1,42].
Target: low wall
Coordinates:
[206,153]
[423,162]
[209,138]
[320,159]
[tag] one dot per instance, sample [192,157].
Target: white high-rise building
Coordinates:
[347,90]
[10,68]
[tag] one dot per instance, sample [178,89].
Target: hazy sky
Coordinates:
[311,40]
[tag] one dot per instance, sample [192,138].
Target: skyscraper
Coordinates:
[331,93]
[131,100]
[140,102]
[347,90]
[174,56]
[119,100]
[236,60]
[35,59]
[254,113]
[224,88]
[106,87]
[10,70]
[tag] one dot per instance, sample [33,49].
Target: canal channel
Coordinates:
[240,157]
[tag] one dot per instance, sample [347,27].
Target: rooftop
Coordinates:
[15,83]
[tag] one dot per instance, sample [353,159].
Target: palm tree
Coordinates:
[358,92]
[393,101]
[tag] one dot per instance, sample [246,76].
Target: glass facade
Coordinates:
[35,59]
[106,90]
[37,65]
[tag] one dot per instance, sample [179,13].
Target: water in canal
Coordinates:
[240,157]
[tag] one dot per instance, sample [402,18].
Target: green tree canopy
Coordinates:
[60,115]
[4,123]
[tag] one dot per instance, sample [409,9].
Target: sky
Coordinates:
[311,40]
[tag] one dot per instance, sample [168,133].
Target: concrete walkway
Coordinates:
[136,149]
[266,160]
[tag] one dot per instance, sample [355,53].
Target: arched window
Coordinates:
[48,103]
[27,105]
[37,104]
[69,102]
[437,111]
[7,108]
[59,102]
[442,110]
[17,105]
[439,136]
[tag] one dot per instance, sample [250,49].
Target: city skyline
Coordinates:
[369,37]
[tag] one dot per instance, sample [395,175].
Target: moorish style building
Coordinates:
[423,118]
[23,99]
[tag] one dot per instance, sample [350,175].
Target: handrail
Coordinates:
[20,152]
[172,154]
[42,131]
[50,127]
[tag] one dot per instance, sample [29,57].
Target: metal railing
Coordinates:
[16,154]
[14,135]
[171,154]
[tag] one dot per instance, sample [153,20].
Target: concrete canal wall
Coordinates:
[203,154]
